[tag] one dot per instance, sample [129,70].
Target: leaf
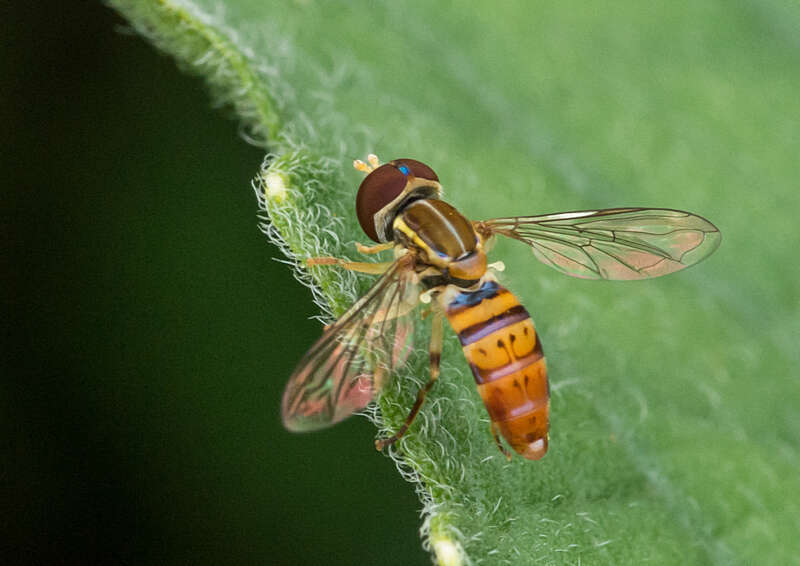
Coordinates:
[674,429]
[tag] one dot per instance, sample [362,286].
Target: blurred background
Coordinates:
[142,374]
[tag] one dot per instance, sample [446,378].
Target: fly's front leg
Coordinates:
[360,266]
[435,358]
[374,249]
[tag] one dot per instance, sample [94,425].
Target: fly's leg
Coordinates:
[500,446]
[435,358]
[362,267]
[374,249]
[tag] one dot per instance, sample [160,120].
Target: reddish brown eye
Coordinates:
[380,188]
[416,169]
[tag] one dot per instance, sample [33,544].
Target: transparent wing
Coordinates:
[343,370]
[615,243]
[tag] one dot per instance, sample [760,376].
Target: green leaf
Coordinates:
[674,424]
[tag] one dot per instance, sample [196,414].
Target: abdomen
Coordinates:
[506,358]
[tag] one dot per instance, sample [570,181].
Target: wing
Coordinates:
[616,243]
[344,369]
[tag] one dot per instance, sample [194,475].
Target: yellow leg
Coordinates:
[374,249]
[437,333]
[362,267]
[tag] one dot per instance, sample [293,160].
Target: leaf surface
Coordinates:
[674,423]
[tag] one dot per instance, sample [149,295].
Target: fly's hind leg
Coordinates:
[435,358]
[499,444]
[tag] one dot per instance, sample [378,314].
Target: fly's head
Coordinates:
[387,189]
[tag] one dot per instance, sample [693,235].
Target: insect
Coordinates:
[440,259]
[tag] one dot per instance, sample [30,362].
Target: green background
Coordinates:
[151,332]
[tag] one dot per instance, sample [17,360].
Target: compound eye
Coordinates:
[378,189]
[414,168]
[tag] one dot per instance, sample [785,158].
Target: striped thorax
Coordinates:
[444,241]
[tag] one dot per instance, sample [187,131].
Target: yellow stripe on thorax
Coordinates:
[399,224]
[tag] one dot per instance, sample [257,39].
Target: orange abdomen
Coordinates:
[506,358]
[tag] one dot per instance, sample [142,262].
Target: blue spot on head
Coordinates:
[403,169]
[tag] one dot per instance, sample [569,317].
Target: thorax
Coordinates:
[444,240]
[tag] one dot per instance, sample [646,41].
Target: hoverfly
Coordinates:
[440,259]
